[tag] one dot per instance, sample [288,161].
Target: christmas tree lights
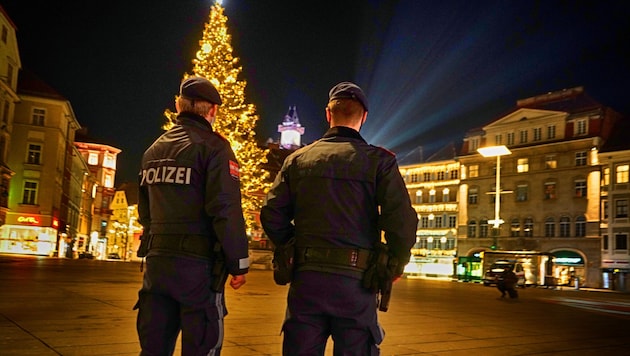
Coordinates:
[236,119]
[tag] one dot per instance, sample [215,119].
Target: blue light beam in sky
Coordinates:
[427,70]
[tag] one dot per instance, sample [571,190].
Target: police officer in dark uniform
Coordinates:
[189,206]
[335,197]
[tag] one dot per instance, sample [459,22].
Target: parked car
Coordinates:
[113,256]
[491,274]
[86,255]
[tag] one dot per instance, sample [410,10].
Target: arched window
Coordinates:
[483,228]
[528,227]
[550,227]
[565,226]
[472,228]
[515,228]
[580,226]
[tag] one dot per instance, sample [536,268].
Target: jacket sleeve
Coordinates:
[397,219]
[276,216]
[223,206]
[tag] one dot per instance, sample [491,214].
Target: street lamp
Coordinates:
[496,151]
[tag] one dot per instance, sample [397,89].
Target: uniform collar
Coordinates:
[186,117]
[343,131]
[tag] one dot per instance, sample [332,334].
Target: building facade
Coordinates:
[9,67]
[550,184]
[614,220]
[44,125]
[433,189]
[101,161]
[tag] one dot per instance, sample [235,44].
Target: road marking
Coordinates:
[609,307]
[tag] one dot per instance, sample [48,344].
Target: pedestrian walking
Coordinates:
[194,231]
[332,200]
[506,283]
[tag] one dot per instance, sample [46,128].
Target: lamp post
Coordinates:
[496,151]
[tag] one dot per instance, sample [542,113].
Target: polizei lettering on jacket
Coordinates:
[166,174]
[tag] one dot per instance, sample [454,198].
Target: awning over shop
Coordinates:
[568,258]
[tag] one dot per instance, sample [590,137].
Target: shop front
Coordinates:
[568,268]
[29,234]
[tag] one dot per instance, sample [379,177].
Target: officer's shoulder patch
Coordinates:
[235,170]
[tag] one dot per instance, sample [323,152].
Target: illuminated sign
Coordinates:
[30,220]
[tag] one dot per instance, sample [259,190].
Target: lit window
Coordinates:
[515,228]
[622,173]
[93,159]
[551,162]
[522,165]
[108,181]
[550,190]
[473,171]
[109,161]
[606,177]
[38,117]
[29,195]
[528,227]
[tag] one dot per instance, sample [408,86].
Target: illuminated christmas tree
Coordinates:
[236,119]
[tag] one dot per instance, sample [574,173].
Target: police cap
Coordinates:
[199,88]
[348,90]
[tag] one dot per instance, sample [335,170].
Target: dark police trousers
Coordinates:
[176,295]
[320,304]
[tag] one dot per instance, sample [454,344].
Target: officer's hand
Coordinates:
[237,282]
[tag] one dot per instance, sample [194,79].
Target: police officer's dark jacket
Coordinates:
[189,185]
[342,192]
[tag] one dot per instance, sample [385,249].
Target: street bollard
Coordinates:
[577,283]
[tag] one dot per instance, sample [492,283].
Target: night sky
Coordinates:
[431,69]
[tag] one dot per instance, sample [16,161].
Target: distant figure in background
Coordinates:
[506,282]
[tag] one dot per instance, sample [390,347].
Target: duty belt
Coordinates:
[345,257]
[198,245]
